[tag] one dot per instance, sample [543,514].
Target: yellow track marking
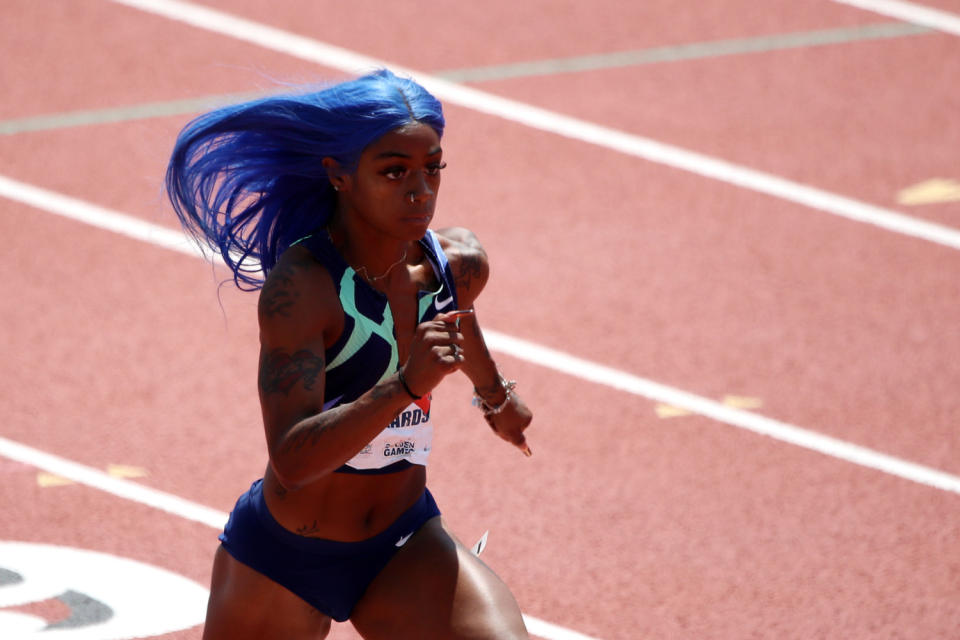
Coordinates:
[742,402]
[124,471]
[665,411]
[930,192]
[45,480]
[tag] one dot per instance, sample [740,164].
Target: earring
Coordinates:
[336,188]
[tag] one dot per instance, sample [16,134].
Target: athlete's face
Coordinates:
[396,182]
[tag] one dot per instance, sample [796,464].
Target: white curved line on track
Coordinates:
[178,506]
[537,354]
[910,12]
[545,120]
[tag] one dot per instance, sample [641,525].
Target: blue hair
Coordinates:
[247,180]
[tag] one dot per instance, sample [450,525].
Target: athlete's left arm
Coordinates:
[471,269]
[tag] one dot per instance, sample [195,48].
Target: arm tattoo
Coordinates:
[387,391]
[470,268]
[278,293]
[279,371]
[311,434]
[488,392]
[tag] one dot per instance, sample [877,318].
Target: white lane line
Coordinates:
[623,381]
[910,12]
[544,120]
[480,74]
[692,51]
[249,31]
[577,367]
[97,216]
[116,486]
[122,114]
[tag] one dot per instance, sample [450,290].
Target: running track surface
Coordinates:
[626,522]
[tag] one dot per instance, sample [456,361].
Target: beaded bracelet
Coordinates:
[478,401]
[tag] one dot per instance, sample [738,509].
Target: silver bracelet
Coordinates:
[478,401]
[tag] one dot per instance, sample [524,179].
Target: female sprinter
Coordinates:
[363,311]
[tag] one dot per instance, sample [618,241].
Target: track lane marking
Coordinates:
[109,484]
[691,51]
[935,190]
[748,420]
[164,109]
[547,357]
[910,12]
[97,216]
[549,121]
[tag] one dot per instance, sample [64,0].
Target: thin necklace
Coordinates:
[375,278]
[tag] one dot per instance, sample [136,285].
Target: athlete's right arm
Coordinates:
[298,315]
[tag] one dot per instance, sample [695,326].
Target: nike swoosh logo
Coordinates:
[481,544]
[442,303]
[404,539]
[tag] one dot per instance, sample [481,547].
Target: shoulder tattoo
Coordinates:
[471,268]
[280,371]
[279,292]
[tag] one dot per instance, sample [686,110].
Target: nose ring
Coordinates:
[411,197]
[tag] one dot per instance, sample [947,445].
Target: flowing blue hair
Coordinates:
[247,181]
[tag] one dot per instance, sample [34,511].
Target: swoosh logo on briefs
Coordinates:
[442,303]
[404,539]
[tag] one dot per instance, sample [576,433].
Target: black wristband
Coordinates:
[404,383]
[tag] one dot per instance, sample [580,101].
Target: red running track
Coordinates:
[623,524]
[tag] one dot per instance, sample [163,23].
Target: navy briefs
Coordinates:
[330,576]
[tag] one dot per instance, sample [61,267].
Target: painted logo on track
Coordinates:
[55,593]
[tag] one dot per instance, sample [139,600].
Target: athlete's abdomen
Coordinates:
[344,507]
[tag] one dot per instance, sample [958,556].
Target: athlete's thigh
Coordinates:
[245,604]
[436,588]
